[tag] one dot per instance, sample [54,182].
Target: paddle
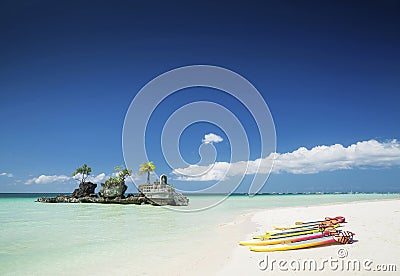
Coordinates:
[324,224]
[276,235]
[311,224]
[318,228]
[340,219]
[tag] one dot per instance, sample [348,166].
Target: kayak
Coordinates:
[294,226]
[282,240]
[295,245]
[343,237]
[297,233]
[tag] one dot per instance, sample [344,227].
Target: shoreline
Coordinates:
[255,210]
[373,221]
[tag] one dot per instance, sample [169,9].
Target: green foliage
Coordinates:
[112,181]
[84,171]
[119,179]
[147,167]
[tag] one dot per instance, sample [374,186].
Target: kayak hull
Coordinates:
[295,245]
[281,241]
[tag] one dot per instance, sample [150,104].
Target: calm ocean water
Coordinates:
[51,239]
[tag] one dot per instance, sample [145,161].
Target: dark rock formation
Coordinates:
[88,199]
[85,189]
[109,194]
[113,190]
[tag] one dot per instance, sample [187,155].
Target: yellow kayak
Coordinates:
[286,240]
[296,245]
[277,236]
[343,237]
[294,229]
[294,226]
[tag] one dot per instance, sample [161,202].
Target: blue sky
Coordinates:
[328,70]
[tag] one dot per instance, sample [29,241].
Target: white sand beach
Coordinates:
[377,242]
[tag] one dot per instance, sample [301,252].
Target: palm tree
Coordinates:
[147,167]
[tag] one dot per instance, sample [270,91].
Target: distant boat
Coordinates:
[160,193]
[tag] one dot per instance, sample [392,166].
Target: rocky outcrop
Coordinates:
[109,194]
[85,189]
[131,199]
[113,190]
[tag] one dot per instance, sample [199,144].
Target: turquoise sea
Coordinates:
[53,239]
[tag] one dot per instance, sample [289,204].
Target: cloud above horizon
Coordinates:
[6,174]
[365,154]
[46,179]
[212,138]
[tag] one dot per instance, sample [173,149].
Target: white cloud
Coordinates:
[98,178]
[337,157]
[212,138]
[303,161]
[45,179]
[7,174]
[135,177]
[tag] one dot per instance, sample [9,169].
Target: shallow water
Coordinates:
[39,238]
